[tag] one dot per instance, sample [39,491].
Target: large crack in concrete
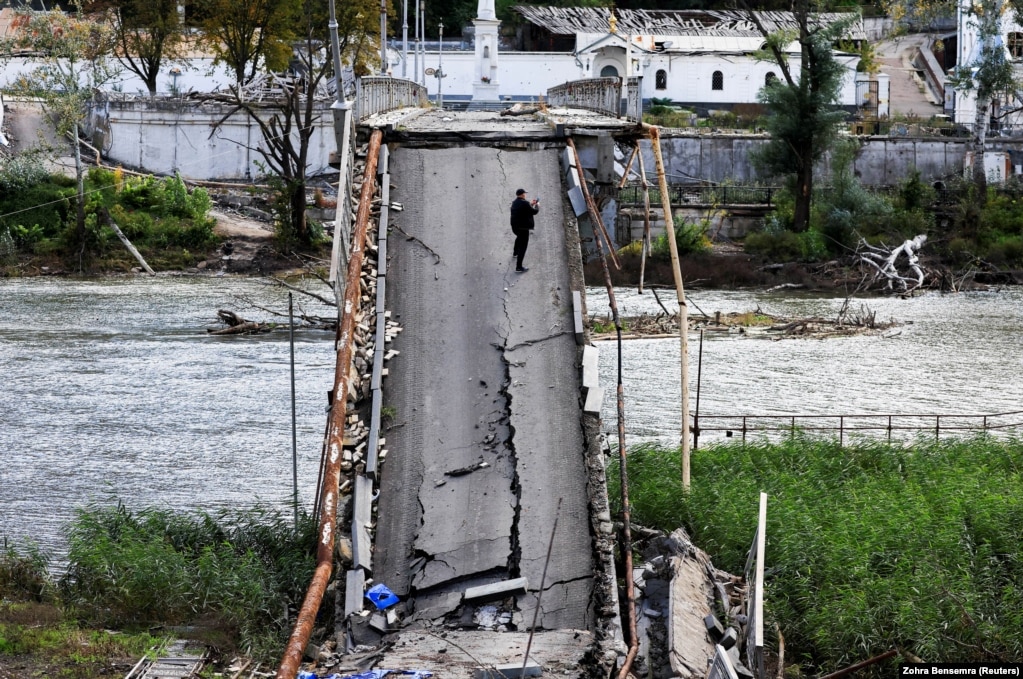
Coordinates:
[515,555]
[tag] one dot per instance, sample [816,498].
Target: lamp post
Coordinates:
[383,37]
[422,43]
[440,68]
[404,37]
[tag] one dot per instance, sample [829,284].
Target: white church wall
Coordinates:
[199,75]
[690,78]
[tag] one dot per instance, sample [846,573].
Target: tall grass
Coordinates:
[868,547]
[238,572]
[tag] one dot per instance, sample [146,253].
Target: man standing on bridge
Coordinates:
[522,211]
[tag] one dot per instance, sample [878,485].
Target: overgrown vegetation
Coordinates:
[235,577]
[169,224]
[869,547]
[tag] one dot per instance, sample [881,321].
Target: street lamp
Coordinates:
[440,68]
[404,37]
[383,37]
[421,75]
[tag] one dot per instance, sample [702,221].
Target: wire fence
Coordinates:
[890,427]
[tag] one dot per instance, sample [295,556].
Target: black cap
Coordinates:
[520,192]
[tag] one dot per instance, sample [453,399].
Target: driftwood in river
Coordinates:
[236,325]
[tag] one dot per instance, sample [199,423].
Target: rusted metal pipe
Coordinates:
[345,344]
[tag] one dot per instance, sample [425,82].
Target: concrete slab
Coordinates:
[373,441]
[594,400]
[355,589]
[362,540]
[510,671]
[591,367]
[577,317]
[498,590]
[458,654]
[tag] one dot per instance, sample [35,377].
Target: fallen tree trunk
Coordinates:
[884,263]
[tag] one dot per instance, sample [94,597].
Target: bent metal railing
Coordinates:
[789,426]
[600,95]
[379,94]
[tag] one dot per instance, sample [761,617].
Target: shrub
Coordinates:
[690,237]
[869,546]
[20,172]
[23,575]
[776,246]
[156,566]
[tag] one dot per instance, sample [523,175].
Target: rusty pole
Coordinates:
[647,244]
[295,649]
[683,310]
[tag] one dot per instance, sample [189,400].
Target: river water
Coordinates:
[951,354]
[112,389]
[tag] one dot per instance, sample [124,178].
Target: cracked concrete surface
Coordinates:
[487,371]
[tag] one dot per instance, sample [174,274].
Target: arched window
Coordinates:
[717,81]
[609,71]
[661,79]
[1015,45]
[770,78]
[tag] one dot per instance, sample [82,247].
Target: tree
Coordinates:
[988,74]
[250,36]
[359,32]
[803,120]
[148,33]
[74,52]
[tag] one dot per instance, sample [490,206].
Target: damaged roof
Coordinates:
[721,23]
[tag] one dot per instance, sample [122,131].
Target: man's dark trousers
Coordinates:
[521,243]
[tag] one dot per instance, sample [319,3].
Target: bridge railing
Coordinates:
[634,99]
[754,574]
[683,194]
[600,95]
[379,94]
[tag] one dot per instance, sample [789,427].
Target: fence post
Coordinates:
[792,430]
[937,427]
[841,431]
[743,430]
[889,430]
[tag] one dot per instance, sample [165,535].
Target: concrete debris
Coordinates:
[497,590]
[682,600]
[462,471]
[508,671]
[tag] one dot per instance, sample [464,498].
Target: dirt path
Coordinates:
[247,241]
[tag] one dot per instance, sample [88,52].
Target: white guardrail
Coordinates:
[379,94]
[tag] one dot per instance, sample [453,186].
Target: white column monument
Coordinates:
[485,85]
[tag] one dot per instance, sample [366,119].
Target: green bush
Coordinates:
[24,575]
[153,566]
[869,546]
[782,246]
[20,172]
[690,237]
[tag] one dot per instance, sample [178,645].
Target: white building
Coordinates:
[699,58]
[1005,110]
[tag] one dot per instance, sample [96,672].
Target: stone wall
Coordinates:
[881,160]
[165,136]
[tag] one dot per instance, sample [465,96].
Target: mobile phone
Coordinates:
[537,199]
